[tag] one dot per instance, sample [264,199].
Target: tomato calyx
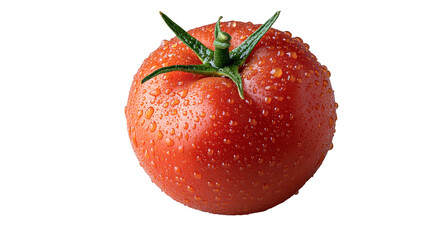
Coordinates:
[221,61]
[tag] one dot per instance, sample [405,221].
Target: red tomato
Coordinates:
[211,150]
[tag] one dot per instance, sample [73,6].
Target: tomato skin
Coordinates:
[209,149]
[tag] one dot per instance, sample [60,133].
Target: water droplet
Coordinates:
[265,112]
[185,126]
[265,186]
[331,122]
[155,92]
[180,148]
[160,135]
[152,126]
[169,142]
[298,39]
[233,123]
[197,175]
[168,91]
[183,93]
[325,83]
[139,114]
[175,102]
[177,170]
[210,152]
[133,136]
[252,121]
[149,112]
[189,188]
[267,100]
[277,72]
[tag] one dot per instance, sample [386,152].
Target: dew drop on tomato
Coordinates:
[149,112]
[139,114]
[197,175]
[181,149]
[210,152]
[160,135]
[152,126]
[189,188]
[155,92]
[331,122]
[277,72]
[169,142]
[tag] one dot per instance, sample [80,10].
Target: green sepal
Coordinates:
[217,27]
[202,69]
[231,71]
[240,53]
[204,53]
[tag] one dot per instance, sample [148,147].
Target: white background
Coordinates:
[67,169]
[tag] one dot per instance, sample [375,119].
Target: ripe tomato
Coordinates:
[210,148]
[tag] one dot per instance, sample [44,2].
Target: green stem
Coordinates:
[221,43]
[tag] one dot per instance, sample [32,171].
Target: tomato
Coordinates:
[215,149]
